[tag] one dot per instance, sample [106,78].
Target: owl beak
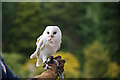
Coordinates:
[52,36]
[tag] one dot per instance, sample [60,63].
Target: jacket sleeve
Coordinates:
[8,73]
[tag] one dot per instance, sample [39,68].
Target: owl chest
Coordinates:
[47,50]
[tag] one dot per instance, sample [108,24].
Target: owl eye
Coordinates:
[54,32]
[47,32]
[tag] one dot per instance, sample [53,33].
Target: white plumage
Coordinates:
[47,44]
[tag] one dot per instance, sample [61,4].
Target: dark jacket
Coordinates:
[6,72]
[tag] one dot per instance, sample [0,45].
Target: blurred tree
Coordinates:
[97,60]
[29,69]
[15,62]
[27,27]
[109,35]
[113,70]
[8,16]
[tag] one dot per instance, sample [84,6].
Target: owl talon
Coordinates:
[47,67]
[51,60]
[45,63]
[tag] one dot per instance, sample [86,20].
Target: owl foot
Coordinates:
[47,67]
[51,60]
[45,63]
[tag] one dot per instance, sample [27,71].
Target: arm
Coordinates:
[6,72]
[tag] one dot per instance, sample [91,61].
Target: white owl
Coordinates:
[47,44]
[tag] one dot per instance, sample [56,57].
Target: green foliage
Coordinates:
[98,63]
[26,27]
[113,70]
[14,62]
[29,69]
[109,29]
[97,60]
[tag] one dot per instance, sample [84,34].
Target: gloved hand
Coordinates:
[56,66]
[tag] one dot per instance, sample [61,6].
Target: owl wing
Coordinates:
[40,46]
[59,45]
[38,39]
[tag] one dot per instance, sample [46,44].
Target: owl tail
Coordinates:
[39,62]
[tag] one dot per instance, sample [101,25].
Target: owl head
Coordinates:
[52,32]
